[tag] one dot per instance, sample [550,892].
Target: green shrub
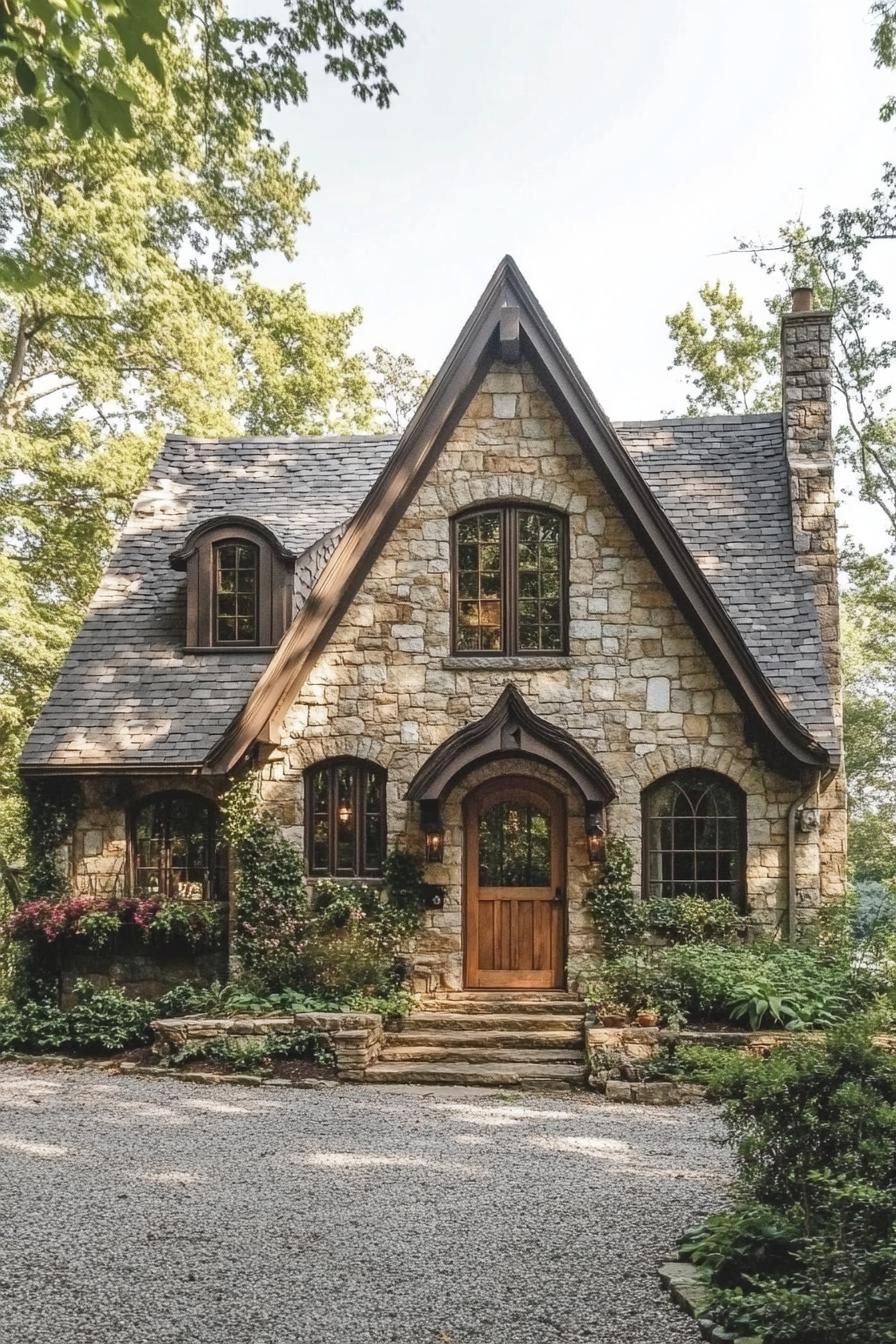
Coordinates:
[808,1254]
[693,919]
[33,1027]
[611,901]
[195,923]
[255,1056]
[105,1020]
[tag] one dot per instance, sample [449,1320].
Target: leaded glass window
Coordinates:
[514,846]
[236,593]
[509,581]
[345,814]
[694,837]
[175,850]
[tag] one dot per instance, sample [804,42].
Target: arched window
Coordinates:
[694,826]
[239,585]
[174,849]
[509,581]
[235,599]
[345,818]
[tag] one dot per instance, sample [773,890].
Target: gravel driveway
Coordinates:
[138,1211]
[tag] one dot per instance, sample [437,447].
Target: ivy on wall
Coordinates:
[53,807]
[611,901]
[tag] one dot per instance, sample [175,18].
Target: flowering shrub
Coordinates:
[98,920]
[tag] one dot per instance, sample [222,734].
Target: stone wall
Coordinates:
[636,689]
[356,1038]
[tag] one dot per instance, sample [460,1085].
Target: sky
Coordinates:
[616,151]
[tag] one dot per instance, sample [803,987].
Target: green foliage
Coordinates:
[127,303]
[219,1000]
[53,807]
[704,981]
[398,387]
[732,364]
[100,1022]
[196,923]
[73,64]
[105,1020]
[611,899]
[403,872]
[808,1253]
[760,1005]
[256,1056]
[271,904]
[692,919]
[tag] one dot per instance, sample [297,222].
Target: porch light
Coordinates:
[433,831]
[595,835]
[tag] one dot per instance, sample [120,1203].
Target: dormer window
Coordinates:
[236,592]
[239,585]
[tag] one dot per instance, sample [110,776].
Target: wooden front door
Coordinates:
[515,897]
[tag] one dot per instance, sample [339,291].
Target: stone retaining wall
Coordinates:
[356,1038]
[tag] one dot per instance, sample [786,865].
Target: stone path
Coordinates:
[141,1211]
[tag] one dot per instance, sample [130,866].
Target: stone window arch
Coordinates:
[694,837]
[345,818]
[175,852]
[509,580]
[239,585]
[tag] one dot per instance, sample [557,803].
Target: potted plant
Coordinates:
[647,1015]
[612,1014]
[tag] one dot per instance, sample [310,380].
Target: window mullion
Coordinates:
[509,580]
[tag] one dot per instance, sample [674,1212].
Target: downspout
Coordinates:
[820,781]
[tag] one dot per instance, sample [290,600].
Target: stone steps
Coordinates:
[502,1004]
[478,1075]
[504,1021]
[488,1039]
[483,1054]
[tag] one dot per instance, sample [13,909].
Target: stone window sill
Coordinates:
[539,662]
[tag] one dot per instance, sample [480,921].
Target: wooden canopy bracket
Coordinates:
[509,335]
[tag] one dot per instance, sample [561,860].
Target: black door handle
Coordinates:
[558,896]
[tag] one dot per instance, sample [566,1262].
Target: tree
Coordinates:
[729,366]
[67,56]
[129,309]
[398,387]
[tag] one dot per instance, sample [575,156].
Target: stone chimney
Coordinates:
[806,377]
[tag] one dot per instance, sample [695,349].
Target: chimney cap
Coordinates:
[801,299]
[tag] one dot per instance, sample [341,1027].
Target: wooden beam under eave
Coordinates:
[509,335]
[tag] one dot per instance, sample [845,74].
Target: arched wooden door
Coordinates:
[514,886]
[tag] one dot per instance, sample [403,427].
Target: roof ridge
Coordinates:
[342,439]
[752,418]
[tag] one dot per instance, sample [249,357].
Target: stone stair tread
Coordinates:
[474,1075]
[497,1006]
[522,1021]
[479,1054]
[511,1040]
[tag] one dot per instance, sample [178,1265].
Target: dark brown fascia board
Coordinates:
[43,771]
[447,398]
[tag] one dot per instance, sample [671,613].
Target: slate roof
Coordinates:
[127,693]
[129,696]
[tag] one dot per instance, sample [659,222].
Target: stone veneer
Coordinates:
[636,688]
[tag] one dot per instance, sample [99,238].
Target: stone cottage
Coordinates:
[515,629]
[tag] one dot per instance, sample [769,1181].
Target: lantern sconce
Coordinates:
[595,833]
[433,830]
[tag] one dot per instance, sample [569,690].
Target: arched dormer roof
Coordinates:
[230,524]
[511,730]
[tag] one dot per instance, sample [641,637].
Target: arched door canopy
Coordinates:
[510,731]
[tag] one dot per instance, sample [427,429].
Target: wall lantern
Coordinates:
[433,830]
[595,834]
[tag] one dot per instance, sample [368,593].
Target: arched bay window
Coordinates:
[174,849]
[345,818]
[509,580]
[694,827]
